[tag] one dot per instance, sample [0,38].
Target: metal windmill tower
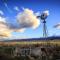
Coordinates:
[43,17]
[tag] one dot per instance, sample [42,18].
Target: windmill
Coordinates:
[43,17]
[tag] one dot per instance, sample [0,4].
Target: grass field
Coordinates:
[49,50]
[51,42]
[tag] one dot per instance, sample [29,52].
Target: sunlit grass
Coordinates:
[48,42]
[54,42]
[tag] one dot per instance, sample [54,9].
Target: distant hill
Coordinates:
[34,39]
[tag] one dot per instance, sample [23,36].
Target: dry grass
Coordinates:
[51,42]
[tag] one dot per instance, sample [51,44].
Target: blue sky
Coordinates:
[36,5]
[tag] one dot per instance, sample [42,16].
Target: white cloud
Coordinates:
[16,8]
[27,19]
[15,28]
[2,19]
[20,30]
[1,12]
[57,26]
[4,31]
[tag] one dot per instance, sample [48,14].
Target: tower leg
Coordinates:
[44,29]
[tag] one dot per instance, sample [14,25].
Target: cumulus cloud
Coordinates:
[4,31]
[27,19]
[6,28]
[15,27]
